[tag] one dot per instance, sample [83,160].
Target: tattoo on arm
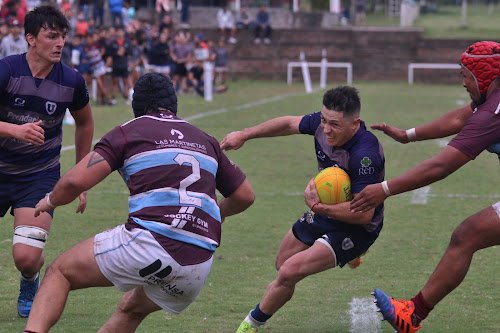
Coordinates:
[94,159]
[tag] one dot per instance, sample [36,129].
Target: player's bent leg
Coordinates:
[317,258]
[131,311]
[477,232]
[74,269]
[290,246]
[30,236]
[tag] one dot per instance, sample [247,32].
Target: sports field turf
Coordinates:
[416,230]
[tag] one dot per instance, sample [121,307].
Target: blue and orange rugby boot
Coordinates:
[397,313]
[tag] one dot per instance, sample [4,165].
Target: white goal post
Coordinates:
[413,66]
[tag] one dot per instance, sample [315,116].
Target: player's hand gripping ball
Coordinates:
[333,185]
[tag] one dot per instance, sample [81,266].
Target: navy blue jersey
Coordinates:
[362,157]
[25,99]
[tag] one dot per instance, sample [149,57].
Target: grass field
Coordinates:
[409,247]
[446,22]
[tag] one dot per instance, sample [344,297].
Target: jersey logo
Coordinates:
[366,169]
[19,101]
[50,107]
[180,136]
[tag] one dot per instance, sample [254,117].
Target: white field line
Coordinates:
[363,316]
[420,195]
[222,110]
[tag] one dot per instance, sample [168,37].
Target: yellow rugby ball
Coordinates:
[333,185]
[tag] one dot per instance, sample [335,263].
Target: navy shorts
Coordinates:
[348,241]
[24,194]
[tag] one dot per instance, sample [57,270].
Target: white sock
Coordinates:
[249,319]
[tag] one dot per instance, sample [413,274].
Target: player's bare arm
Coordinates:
[281,126]
[30,132]
[237,202]
[84,132]
[340,211]
[91,170]
[427,172]
[448,124]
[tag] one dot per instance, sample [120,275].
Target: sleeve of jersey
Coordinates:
[229,176]
[111,147]
[367,167]
[4,75]
[480,132]
[81,95]
[309,123]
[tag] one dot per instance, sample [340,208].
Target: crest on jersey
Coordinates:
[50,107]
[347,244]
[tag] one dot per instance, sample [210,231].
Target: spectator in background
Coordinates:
[119,52]
[116,12]
[225,22]
[77,53]
[162,8]
[136,61]
[185,13]
[14,42]
[159,55]
[181,55]
[82,24]
[243,19]
[262,26]
[360,15]
[13,10]
[167,23]
[83,6]
[128,14]
[221,61]
[97,67]
[98,13]
[65,6]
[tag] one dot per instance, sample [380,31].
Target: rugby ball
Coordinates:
[333,185]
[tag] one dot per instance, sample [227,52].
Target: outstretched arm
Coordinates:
[91,170]
[448,124]
[281,126]
[429,171]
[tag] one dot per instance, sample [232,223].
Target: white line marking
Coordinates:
[420,195]
[6,241]
[363,316]
[442,142]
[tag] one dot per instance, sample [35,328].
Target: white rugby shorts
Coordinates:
[132,258]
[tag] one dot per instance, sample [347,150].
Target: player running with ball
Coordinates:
[328,235]
[478,128]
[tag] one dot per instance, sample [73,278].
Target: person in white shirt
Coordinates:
[225,20]
[14,42]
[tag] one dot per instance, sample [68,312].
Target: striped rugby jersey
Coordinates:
[25,99]
[172,170]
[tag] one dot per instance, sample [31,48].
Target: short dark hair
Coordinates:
[47,17]
[343,99]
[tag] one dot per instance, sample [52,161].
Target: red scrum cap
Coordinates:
[482,59]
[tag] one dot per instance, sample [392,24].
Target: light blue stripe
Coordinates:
[167,158]
[153,226]
[171,198]
[117,247]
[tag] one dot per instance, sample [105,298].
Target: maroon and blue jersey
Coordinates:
[482,129]
[25,99]
[172,170]
[362,157]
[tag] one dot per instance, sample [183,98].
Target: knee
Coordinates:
[465,235]
[288,275]
[28,262]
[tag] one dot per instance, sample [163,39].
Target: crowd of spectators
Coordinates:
[112,49]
